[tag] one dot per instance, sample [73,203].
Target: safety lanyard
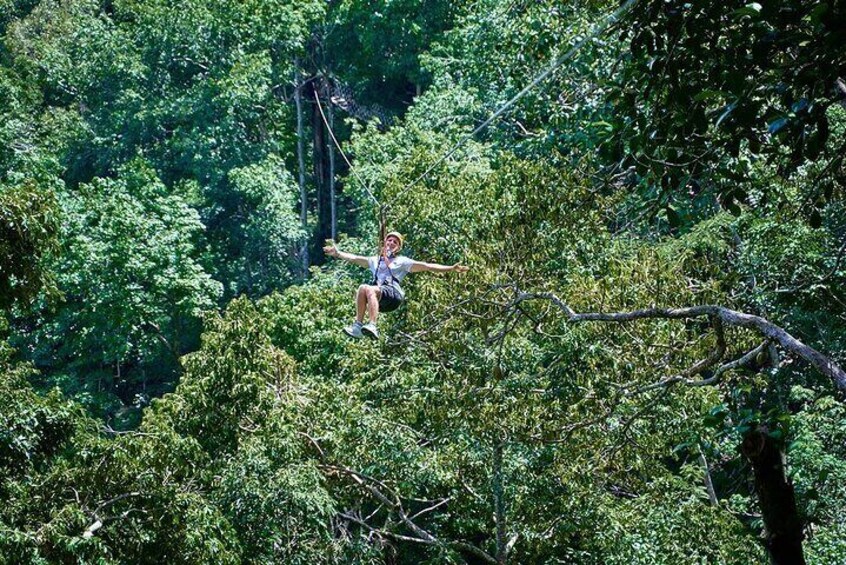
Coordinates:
[387,266]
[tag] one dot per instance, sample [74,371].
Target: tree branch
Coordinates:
[745,359]
[420,534]
[726,316]
[709,484]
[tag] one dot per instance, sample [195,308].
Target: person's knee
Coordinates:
[362,289]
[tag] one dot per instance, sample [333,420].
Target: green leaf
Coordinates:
[776,125]
[818,13]
[709,95]
[727,110]
[752,9]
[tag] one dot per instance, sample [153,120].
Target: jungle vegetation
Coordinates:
[644,364]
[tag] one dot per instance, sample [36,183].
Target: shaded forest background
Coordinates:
[175,385]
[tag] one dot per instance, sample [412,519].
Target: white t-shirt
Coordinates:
[399,267]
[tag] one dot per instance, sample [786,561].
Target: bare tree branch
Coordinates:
[744,360]
[315,445]
[420,534]
[99,521]
[726,316]
[709,484]
[173,350]
[430,508]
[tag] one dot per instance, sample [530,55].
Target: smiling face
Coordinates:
[392,244]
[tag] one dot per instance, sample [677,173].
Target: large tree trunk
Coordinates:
[776,497]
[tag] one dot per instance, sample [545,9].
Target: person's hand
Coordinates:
[331,250]
[460,268]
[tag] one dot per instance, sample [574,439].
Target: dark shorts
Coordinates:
[391,298]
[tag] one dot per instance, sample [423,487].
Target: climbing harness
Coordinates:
[393,281]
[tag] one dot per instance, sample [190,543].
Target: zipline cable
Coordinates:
[341,151]
[596,31]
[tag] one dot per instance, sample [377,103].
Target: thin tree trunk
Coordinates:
[332,199]
[499,506]
[298,100]
[320,160]
[783,536]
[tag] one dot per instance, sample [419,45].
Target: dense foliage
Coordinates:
[175,384]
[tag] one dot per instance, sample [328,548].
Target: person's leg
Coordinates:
[354,330]
[360,303]
[374,293]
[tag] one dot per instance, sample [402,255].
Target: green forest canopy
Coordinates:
[176,386]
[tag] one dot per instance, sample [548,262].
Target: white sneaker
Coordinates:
[370,330]
[354,330]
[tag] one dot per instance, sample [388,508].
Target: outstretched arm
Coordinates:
[420,266]
[333,251]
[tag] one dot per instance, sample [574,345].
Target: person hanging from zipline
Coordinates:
[384,293]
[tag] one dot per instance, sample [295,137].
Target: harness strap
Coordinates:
[383,230]
[388,266]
